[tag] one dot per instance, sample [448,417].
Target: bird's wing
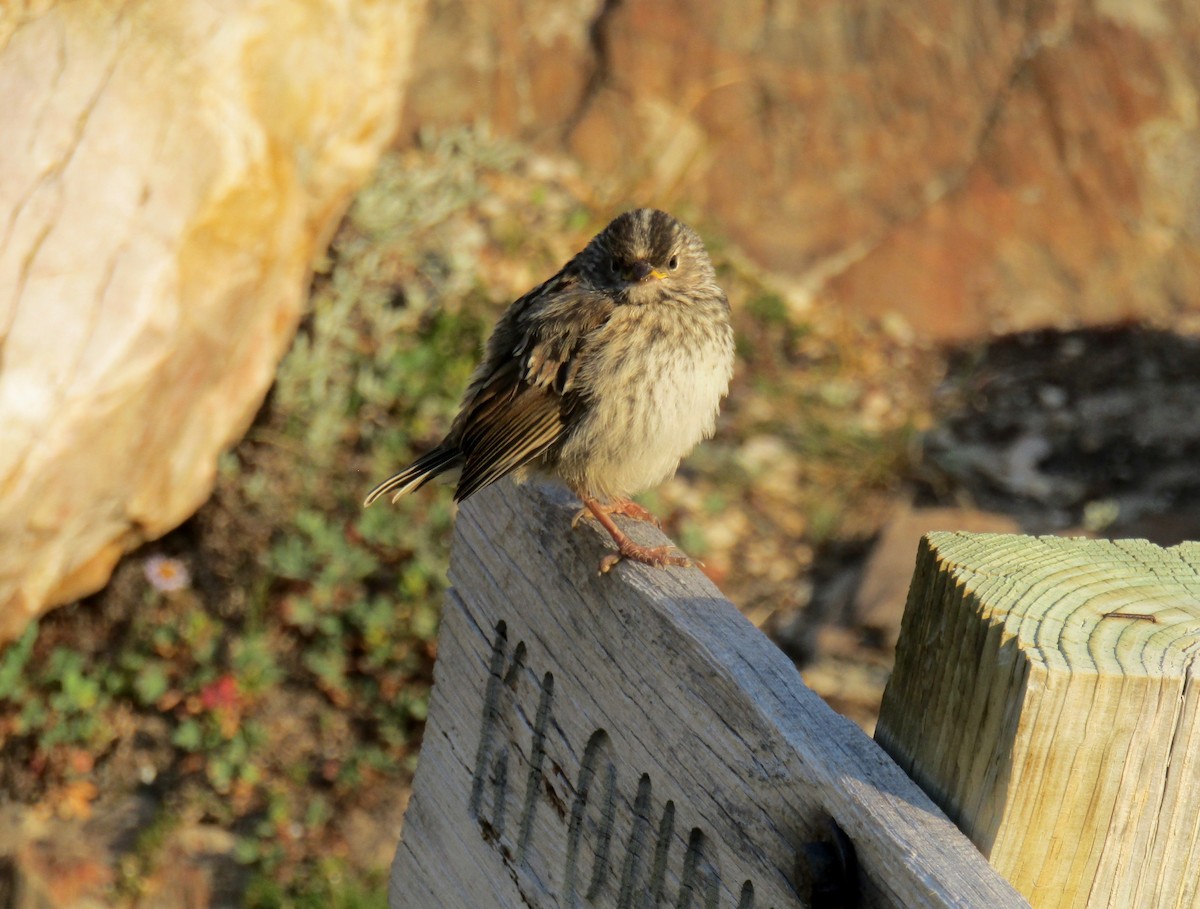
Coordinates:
[521,399]
[513,426]
[556,329]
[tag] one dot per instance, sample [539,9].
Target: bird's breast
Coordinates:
[653,380]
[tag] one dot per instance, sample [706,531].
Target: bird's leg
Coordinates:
[658,556]
[626,507]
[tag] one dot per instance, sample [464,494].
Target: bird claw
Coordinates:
[655,556]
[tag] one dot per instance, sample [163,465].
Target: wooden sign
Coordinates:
[630,740]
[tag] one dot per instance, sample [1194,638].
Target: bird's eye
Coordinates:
[673,263]
[613,267]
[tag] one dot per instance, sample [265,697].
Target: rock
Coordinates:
[52,863]
[196,866]
[167,179]
[1080,204]
[521,66]
[968,167]
[879,602]
[1092,427]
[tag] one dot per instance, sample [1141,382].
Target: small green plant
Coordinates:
[56,701]
[329,884]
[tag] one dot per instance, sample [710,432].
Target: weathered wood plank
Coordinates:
[631,740]
[1045,694]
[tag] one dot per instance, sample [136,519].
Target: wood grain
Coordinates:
[1045,694]
[630,740]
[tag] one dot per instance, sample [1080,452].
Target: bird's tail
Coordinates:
[416,474]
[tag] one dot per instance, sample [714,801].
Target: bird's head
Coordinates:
[645,255]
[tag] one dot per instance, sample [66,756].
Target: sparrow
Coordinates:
[602,377]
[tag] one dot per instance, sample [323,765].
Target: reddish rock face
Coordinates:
[974,167]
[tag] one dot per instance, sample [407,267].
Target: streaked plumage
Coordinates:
[604,376]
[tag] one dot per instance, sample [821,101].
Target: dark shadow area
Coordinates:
[1093,429]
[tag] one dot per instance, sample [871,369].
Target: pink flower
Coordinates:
[166,574]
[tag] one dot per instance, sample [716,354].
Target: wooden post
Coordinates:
[1045,695]
[630,740]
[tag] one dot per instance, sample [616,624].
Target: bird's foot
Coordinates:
[656,556]
[624,507]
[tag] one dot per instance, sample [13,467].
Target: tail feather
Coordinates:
[416,474]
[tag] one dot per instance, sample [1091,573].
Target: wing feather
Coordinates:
[519,404]
[517,434]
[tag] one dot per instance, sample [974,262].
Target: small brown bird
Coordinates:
[603,377]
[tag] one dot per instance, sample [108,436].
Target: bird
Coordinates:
[603,378]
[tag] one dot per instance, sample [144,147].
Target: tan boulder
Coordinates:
[168,172]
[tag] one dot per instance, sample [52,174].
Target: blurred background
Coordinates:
[250,251]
